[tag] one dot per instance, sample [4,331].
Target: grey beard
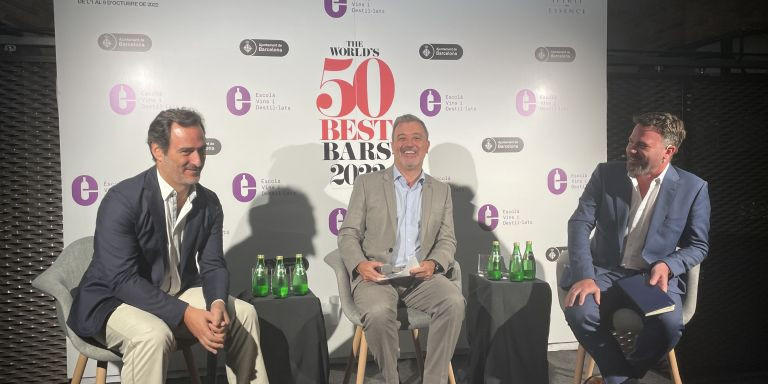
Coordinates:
[637,170]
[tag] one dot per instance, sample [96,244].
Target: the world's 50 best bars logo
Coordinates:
[356,145]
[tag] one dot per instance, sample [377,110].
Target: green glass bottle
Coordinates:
[529,264]
[299,285]
[494,262]
[259,281]
[279,279]
[516,264]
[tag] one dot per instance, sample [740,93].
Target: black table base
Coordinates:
[292,336]
[508,331]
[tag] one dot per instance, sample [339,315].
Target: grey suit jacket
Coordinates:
[368,231]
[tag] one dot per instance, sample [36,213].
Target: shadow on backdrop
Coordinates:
[281,224]
[281,221]
[454,164]
[453,161]
[292,221]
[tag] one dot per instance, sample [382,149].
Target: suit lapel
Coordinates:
[426,204]
[389,195]
[154,200]
[622,205]
[664,200]
[157,210]
[191,233]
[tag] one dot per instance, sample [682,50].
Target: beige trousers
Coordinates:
[146,342]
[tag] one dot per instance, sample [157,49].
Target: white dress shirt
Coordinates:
[640,214]
[175,220]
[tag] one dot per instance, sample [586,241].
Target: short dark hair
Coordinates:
[160,129]
[408,118]
[668,125]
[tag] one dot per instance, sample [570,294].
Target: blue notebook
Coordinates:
[649,299]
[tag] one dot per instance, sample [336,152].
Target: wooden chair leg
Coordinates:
[673,368]
[417,349]
[362,358]
[451,377]
[101,372]
[590,365]
[579,368]
[194,374]
[77,376]
[353,354]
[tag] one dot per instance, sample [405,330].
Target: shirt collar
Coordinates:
[398,176]
[166,190]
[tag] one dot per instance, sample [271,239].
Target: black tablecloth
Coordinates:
[508,331]
[292,338]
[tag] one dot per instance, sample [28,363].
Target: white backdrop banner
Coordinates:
[299,99]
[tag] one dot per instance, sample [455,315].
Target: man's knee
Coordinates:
[671,328]
[129,329]
[454,306]
[243,311]
[582,316]
[154,337]
[379,315]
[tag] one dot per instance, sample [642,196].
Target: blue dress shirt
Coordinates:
[408,234]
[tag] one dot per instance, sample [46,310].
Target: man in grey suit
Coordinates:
[403,218]
[648,216]
[158,271]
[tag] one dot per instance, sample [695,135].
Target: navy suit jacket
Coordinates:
[131,252]
[678,233]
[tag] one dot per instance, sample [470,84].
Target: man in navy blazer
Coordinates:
[647,216]
[158,271]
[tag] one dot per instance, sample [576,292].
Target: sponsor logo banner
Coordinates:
[557,181]
[488,217]
[502,144]
[244,187]
[555,54]
[85,190]
[127,42]
[260,47]
[335,219]
[433,51]
[212,146]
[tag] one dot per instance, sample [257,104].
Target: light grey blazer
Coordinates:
[368,231]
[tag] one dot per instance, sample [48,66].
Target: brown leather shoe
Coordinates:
[594,380]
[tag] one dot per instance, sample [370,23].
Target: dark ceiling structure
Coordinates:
[647,25]
[26,18]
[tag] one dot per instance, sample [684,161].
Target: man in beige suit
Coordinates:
[403,218]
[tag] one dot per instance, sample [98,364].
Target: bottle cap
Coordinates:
[278,257]
[495,242]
